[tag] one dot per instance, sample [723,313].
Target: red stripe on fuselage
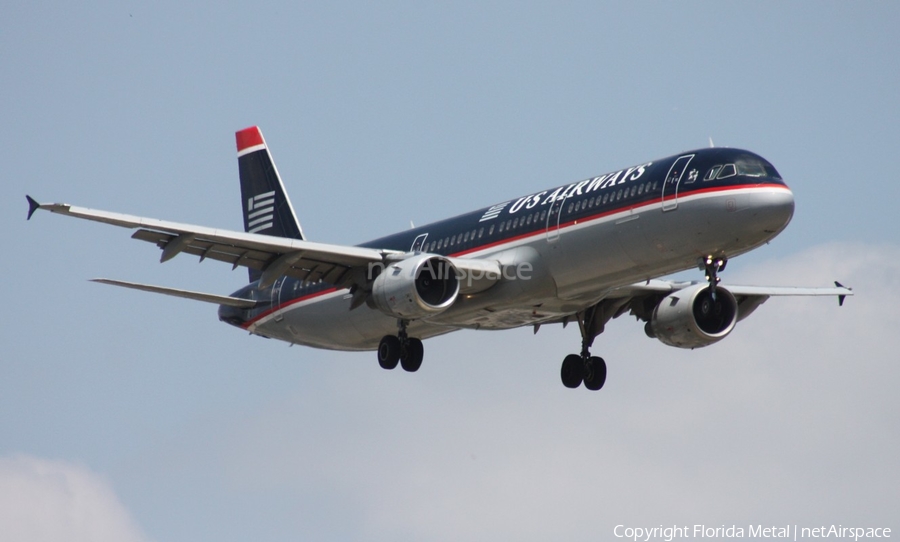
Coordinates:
[617,210]
[538,233]
[288,304]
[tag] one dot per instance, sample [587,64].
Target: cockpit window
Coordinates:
[750,168]
[728,170]
[711,174]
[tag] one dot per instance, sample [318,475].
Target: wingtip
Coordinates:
[841,298]
[33,206]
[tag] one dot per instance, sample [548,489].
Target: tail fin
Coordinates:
[267,208]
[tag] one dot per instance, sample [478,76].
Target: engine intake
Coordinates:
[691,318]
[417,287]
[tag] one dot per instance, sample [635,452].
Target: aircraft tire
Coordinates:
[389,352]
[572,371]
[411,358]
[595,373]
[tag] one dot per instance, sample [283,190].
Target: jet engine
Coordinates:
[692,318]
[416,287]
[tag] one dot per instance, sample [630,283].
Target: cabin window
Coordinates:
[491,230]
[467,237]
[569,209]
[446,241]
[640,190]
[480,232]
[515,223]
[508,224]
[619,195]
[633,191]
[711,174]
[728,170]
[543,215]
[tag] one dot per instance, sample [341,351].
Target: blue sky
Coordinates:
[169,425]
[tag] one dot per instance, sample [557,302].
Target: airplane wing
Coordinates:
[275,256]
[642,297]
[664,286]
[342,266]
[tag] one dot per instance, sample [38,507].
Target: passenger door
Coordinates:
[673,179]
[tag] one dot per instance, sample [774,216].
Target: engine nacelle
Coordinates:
[690,318]
[417,287]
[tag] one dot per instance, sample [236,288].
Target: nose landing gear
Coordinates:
[711,265]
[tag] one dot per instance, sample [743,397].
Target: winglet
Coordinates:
[32,206]
[841,298]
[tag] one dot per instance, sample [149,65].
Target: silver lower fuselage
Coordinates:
[557,271]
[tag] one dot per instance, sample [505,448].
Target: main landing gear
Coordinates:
[585,368]
[401,349]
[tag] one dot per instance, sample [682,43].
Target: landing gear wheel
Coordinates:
[594,373]
[572,371]
[411,356]
[389,352]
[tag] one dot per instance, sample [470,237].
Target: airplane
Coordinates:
[583,252]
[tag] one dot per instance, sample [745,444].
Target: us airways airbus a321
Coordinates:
[583,252]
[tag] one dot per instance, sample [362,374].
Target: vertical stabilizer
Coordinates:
[267,208]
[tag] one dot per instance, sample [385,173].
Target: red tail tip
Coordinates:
[249,137]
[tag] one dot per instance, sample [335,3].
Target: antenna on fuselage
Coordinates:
[711,144]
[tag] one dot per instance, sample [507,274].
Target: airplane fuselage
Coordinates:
[561,250]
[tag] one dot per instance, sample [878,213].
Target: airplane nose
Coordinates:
[775,208]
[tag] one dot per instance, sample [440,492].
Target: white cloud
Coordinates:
[791,419]
[42,500]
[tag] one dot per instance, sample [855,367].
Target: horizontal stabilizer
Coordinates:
[187,294]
